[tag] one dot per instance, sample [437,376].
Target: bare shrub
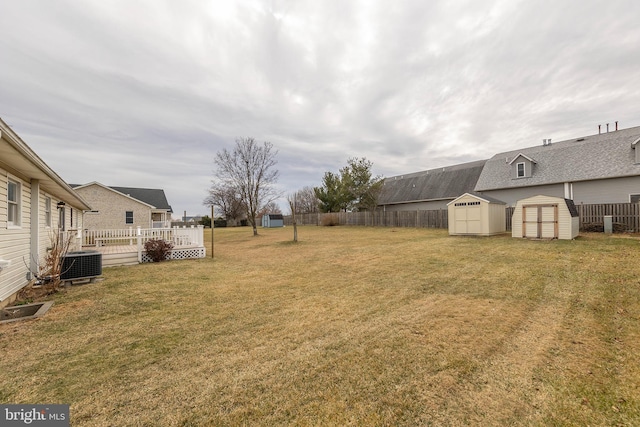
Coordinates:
[158,249]
[330,220]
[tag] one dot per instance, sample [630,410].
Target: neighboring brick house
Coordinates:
[124,207]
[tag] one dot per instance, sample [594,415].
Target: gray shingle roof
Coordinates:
[435,184]
[607,155]
[151,196]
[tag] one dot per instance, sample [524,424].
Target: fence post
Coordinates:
[139,239]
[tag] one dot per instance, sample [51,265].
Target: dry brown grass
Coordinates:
[350,326]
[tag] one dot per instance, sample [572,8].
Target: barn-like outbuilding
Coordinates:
[545,217]
[476,214]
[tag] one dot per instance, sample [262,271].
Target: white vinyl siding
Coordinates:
[14,241]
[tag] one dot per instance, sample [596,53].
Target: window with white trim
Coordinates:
[634,198]
[47,211]
[520,170]
[128,216]
[13,203]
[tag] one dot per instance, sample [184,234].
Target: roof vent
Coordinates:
[546,142]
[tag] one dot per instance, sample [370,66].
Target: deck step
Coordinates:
[114,260]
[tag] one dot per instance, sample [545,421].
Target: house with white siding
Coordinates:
[35,203]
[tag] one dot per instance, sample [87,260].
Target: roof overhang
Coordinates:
[19,159]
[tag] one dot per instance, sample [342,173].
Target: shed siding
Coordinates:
[497,218]
[567,225]
[480,218]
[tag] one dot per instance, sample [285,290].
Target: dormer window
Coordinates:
[634,145]
[522,166]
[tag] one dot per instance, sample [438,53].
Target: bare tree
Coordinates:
[249,169]
[270,208]
[227,199]
[293,205]
[306,201]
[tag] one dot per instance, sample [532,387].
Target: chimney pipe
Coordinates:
[616,125]
[599,132]
[549,141]
[607,127]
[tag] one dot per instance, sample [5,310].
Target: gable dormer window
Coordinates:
[522,166]
[634,146]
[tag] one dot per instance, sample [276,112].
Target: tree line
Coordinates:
[245,179]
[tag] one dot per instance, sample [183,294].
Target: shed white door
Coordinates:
[468,218]
[540,221]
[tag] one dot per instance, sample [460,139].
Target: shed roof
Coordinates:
[606,155]
[434,184]
[480,197]
[274,216]
[571,206]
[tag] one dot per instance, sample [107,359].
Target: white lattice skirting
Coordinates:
[186,253]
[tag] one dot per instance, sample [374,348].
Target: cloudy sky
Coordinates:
[143,93]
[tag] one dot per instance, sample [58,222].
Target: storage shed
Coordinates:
[476,214]
[272,220]
[545,217]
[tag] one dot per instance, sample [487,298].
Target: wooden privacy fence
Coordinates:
[627,214]
[419,219]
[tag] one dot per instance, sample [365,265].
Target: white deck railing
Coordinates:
[180,237]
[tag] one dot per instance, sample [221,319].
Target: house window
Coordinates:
[520,170]
[128,217]
[13,203]
[61,219]
[47,211]
[71,217]
[634,198]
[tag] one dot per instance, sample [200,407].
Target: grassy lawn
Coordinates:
[351,326]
